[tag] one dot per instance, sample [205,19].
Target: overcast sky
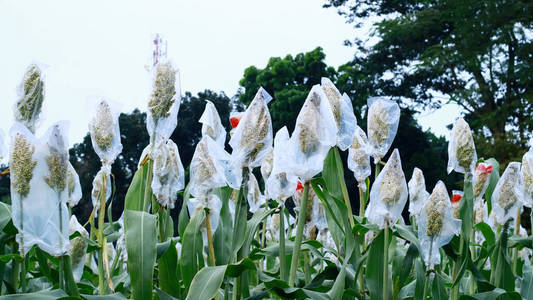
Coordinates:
[102,47]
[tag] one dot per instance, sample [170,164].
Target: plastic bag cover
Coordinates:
[359,159]
[382,125]
[169,175]
[104,129]
[281,183]
[417,192]
[212,125]
[74,186]
[507,195]
[78,251]
[462,156]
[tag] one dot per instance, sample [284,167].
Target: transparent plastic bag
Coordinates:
[417,192]
[212,125]
[78,251]
[318,216]
[214,204]
[121,243]
[436,225]
[253,136]
[526,172]
[101,187]
[281,183]
[104,129]
[210,168]
[234,119]
[273,226]
[169,175]
[481,179]
[314,134]
[457,196]
[358,158]
[462,156]
[388,194]
[342,109]
[74,186]
[38,188]
[267,164]
[382,125]
[255,198]
[3,148]
[164,103]
[507,195]
[30,95]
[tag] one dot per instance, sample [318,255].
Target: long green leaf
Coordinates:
[41,295]
[141,247]
[224,232]
[437,288]
[167,267]
[5,215]
[206,283]
[374,267]
[526,287]
[191,250]
[494,177]
[134,199]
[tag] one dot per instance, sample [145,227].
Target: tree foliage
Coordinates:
[478,54]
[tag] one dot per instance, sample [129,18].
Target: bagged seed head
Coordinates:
[436,225]
[281,184]
[3,148]
[214,204]
[314,134]
[382,125]
[101,187]
[273,227]
[527,177]
[462,154]
[388,194]
[342,109]
[457,196]
[417,192]
[318,216]
[38,187]
[255,198]
[253,135]
[104,129]
[267,164]
[164,103]
[358,158]
[507,195]
[78,250]
[210,168]
[481,179]
[73,186]
[169,175]
[30,98]
[212,125]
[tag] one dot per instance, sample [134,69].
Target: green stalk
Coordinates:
[299,235]
[377,169]
[23,274]
[515,250]
[340,174]
[61,259]
[282,257]
[386,262]
[100,237]
[426,284]
[23,264]
[209,239]
[307,268]
[363,246]
[456,266]
[70,283]
[148,187]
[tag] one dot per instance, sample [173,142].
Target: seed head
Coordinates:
[507,196]
[334,98]
[30,104]
[527,173]
[71,182]
[57,161]
[308,136]
[435,209]
[267,164]
[378,126]
[22,165]
[205,168]
[102,126]
[465,149]
[391,185]
[164,91]
[256,127]
[79,246]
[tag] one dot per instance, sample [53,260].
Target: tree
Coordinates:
[478,54]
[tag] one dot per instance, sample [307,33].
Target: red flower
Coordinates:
[484,168]
[235,120]
[299,187]
[457,196]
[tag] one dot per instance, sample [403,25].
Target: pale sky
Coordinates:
[101,48]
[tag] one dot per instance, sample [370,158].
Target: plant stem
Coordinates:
[515,250]
[386,262]
[23,274]
[100,236]
[148,187]
[70,283]
[61,258]
[282,257]
[457,265]
[299,234]
[426,284]
[340,174]
[377,169]
[209,239]
[307,268]
[21,247]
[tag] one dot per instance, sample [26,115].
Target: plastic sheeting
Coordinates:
[508,193]
[526,172]
[104,129]
[168,173]
[212,125]
[30,95]
[281,183]
[314,134]
[78,251]
[436,225]
[74,186]
[388,194]
[417,192]
[462,156]
[359,159]
[253,136]
[255,198]
[481,179]
[342,110]
[382,125]
[214,204]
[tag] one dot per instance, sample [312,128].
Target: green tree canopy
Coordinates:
[478,54]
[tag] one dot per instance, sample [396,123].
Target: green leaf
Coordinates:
[494,177]
[437,288]
[191,250]
[337,290]
[374,267]
[164,296]
[497,294]
[487,233]
[407,264]
[183,218]
[331,175]
[167,267]
[5,215]
[115,296]
[526,287]
[236,269]
[420,274]
[134,199]
[224,232]
[467,210]
[41,295]
[162,248]
[141,247]
[206,283]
